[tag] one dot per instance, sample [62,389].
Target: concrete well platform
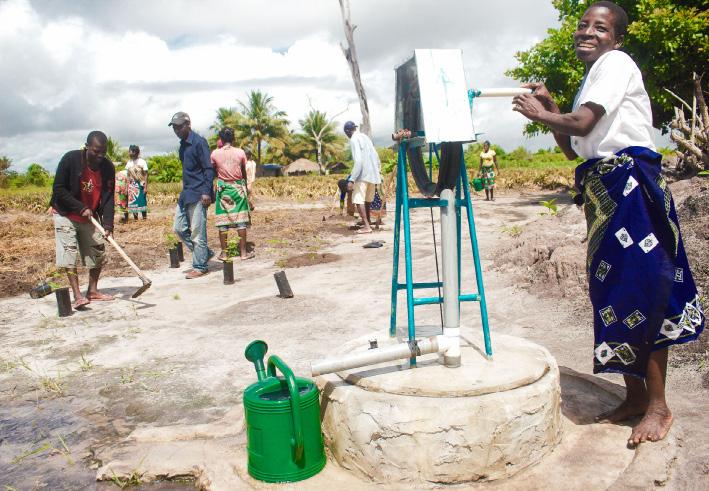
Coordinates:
[485,420]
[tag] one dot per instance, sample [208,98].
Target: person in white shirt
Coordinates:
[250,178]
[137,171]
[640,284]
[365,174]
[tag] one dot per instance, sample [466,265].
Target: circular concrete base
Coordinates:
[487,419]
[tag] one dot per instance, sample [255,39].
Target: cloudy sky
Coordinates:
[125,66]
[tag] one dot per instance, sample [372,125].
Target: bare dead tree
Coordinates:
[351,55]
[692,134]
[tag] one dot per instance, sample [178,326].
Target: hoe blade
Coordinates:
[141,290]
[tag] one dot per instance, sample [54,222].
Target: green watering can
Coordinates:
[478,184]
[284,440]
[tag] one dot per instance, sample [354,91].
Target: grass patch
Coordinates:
[134,479]
[512,231]
[53,385]
[85,364]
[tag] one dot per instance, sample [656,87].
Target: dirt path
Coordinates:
[71,389]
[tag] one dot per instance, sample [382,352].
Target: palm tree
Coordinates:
[228,117]
[261,122]
[114,152]
[320,133]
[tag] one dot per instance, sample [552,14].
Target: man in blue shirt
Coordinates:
[197,193]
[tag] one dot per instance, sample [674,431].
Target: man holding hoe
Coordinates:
[83,187]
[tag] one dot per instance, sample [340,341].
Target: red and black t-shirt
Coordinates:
[90,192]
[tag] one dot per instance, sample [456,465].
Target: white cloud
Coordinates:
[126,66]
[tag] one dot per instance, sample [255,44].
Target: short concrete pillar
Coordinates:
[482,421]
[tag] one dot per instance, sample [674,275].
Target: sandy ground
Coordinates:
[73,389]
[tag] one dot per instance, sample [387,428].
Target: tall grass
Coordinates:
[529,175]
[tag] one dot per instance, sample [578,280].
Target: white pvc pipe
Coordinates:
[502,92]
[434,344]
[449,259]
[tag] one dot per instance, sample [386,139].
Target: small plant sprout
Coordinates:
[512,231]
[171,240]
[127,375]
[176,296]
[550,206]
[46,446]
[232,248]
[53,385]
[85,364]
[126,482]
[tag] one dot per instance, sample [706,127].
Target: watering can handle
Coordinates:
[297,442]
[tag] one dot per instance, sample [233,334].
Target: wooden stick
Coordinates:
[120,251]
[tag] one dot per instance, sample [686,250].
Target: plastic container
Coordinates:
[41,290]
[174,258]
[63,302]
[284,440]
[478,184]
[228,272]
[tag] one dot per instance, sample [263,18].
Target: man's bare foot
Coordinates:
[100,297]
[653,427]
[626,410]
[364,231]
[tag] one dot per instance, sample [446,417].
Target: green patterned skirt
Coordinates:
[232,204]
[488,177]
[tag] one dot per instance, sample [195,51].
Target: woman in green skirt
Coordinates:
[488,160]
[232,196]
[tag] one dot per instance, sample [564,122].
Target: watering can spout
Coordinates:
[255,352]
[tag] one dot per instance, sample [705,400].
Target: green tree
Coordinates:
[37,175]
[262,123]
[319,132]
[165,168]
[5,163]
[668,39]
[229,117]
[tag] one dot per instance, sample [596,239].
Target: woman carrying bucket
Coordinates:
[488,165]
[641,288]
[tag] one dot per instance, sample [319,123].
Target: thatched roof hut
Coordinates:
[300,167]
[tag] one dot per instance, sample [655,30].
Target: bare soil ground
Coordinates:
[290,235]
[73,389]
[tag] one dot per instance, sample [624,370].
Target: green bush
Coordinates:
[165,168]
[37,175]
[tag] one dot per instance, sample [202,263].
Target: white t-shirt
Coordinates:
[615,82]
[366,161]
[140,163]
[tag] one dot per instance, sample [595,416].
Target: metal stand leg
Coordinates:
[400,171]
[476,257]
[407,251]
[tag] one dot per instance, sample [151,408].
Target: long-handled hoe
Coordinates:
[146,281]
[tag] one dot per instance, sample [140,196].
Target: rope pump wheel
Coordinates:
[448,168]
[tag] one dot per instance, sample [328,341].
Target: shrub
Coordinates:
[165,168]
